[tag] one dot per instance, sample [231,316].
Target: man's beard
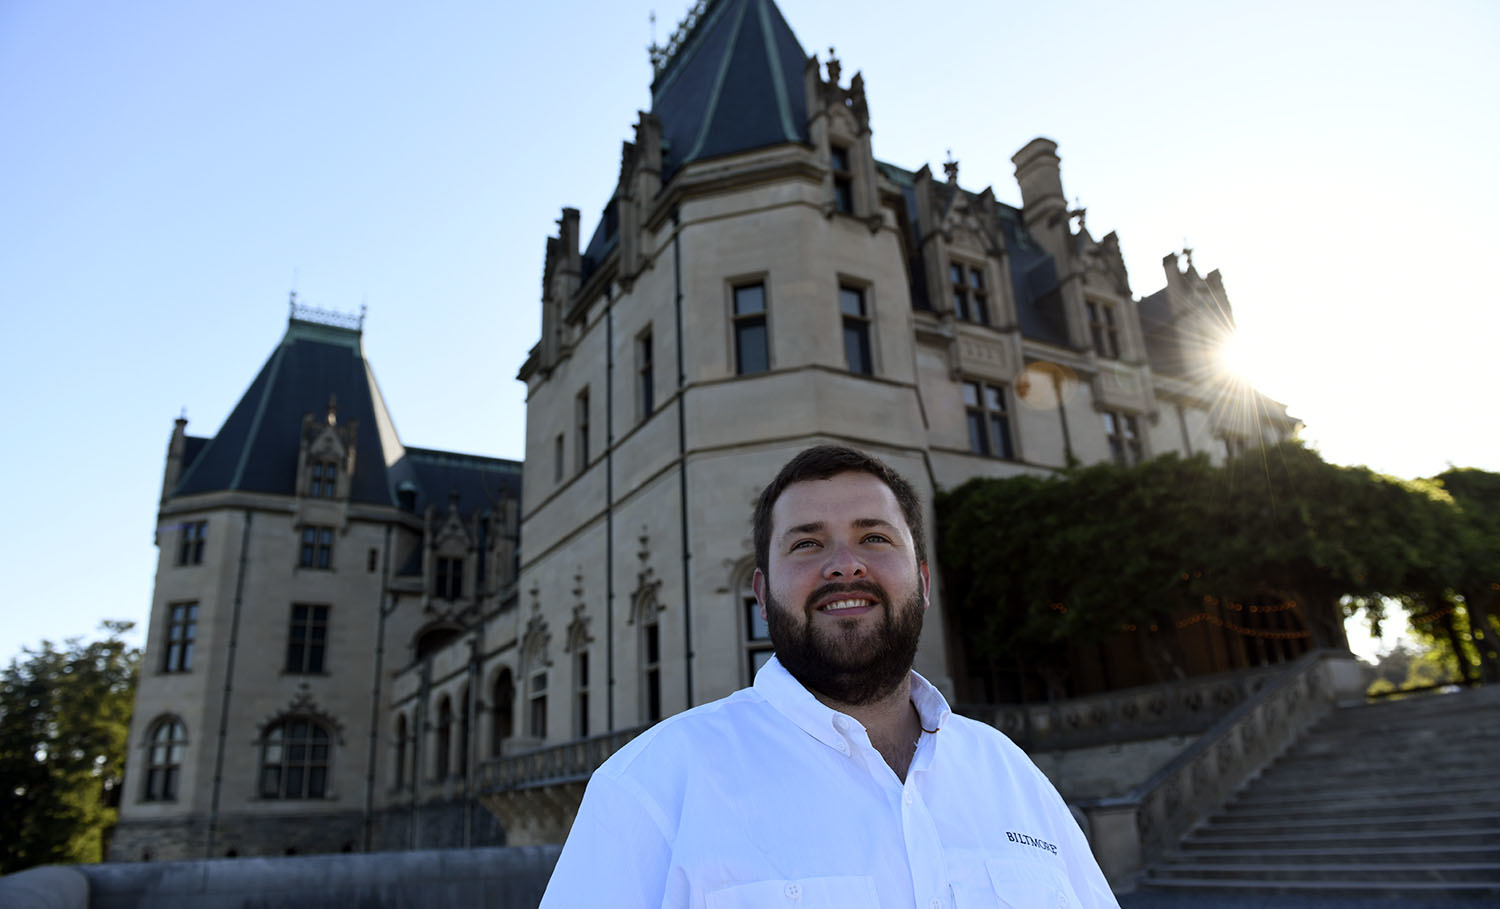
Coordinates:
[847,663]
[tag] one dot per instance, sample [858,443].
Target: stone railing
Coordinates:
[569,762]
[1185,707]
[1130,831]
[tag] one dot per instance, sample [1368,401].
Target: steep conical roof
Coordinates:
[256,449]
[732,83]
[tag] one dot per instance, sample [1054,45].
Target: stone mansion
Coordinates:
[357,644]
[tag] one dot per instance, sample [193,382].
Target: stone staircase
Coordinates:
[1398,798]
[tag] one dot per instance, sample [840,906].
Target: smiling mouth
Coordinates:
[845,605]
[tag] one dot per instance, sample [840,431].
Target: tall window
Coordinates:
[294,760]
[502,706]
[463,733]
[557,459]
[164,760]
[843,179]
[182,630]
[970,298]
[448,581]
[581,693]
[751,345]
[444,755]
[1123,432]
[1102,327]
[307,638]
[190,547]
[645,376]
[537,725]
[651,670]
[581,425]
[324,481]
[757,631]
[401,746]
[317,548]
[856,329]
[989,420]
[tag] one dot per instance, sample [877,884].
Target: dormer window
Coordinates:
[970,299]
[449,578]
[324,481]
[1102,326]
[843,179]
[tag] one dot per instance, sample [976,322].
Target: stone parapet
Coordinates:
[1130,831]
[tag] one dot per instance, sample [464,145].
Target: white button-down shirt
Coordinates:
[770,798]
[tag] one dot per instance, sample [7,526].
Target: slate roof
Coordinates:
[735,83]
[257,447]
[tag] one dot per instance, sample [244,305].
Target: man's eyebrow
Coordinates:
[810,527]
[819,526]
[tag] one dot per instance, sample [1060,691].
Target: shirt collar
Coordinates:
[824,723]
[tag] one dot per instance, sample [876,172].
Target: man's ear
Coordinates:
[926,581]
[758,584]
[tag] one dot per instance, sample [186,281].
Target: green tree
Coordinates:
[1035,564]
[64,718]
[1476,548]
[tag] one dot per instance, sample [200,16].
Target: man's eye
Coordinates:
[877,538]
[802,544]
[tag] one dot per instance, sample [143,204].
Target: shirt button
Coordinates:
[908,798]
[844,747]
[937,904]
[794,892]
[1062,901]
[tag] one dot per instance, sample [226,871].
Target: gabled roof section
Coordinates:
[479,482]
[257,447]
[733,82]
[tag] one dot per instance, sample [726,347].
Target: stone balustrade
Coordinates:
[1184,707]
[1130,831]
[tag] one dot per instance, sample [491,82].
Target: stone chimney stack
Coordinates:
[1039,174]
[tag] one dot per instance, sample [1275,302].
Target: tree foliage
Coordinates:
[1034,563]
[64,718]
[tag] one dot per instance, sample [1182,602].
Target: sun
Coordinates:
[1236,357]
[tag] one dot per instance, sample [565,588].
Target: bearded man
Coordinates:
[840,778]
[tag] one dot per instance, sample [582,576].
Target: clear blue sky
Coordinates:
[170,170]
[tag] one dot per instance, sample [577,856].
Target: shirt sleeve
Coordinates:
[616,854]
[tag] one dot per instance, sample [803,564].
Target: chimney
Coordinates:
[1039,174]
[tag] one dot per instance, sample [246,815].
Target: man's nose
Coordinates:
[843,562]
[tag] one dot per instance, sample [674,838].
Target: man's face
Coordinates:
[846,596]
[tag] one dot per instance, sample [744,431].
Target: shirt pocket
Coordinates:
[1014,884]
[852,892]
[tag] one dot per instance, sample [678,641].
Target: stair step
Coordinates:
[1337,853]
[1219,826]
[1360,807]
[1351,872]
[1327,888]
[1365,838]
[1333,792]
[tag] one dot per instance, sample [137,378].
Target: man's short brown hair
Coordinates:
[820,463]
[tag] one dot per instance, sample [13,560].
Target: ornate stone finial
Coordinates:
[333,409]
[1187,253]
[950,167]
[834,67]
[1080,213]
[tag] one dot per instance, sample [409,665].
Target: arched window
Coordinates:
[463,733]
[167,741]
[401,751]
[294,760]
[502,711]
[444,738]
